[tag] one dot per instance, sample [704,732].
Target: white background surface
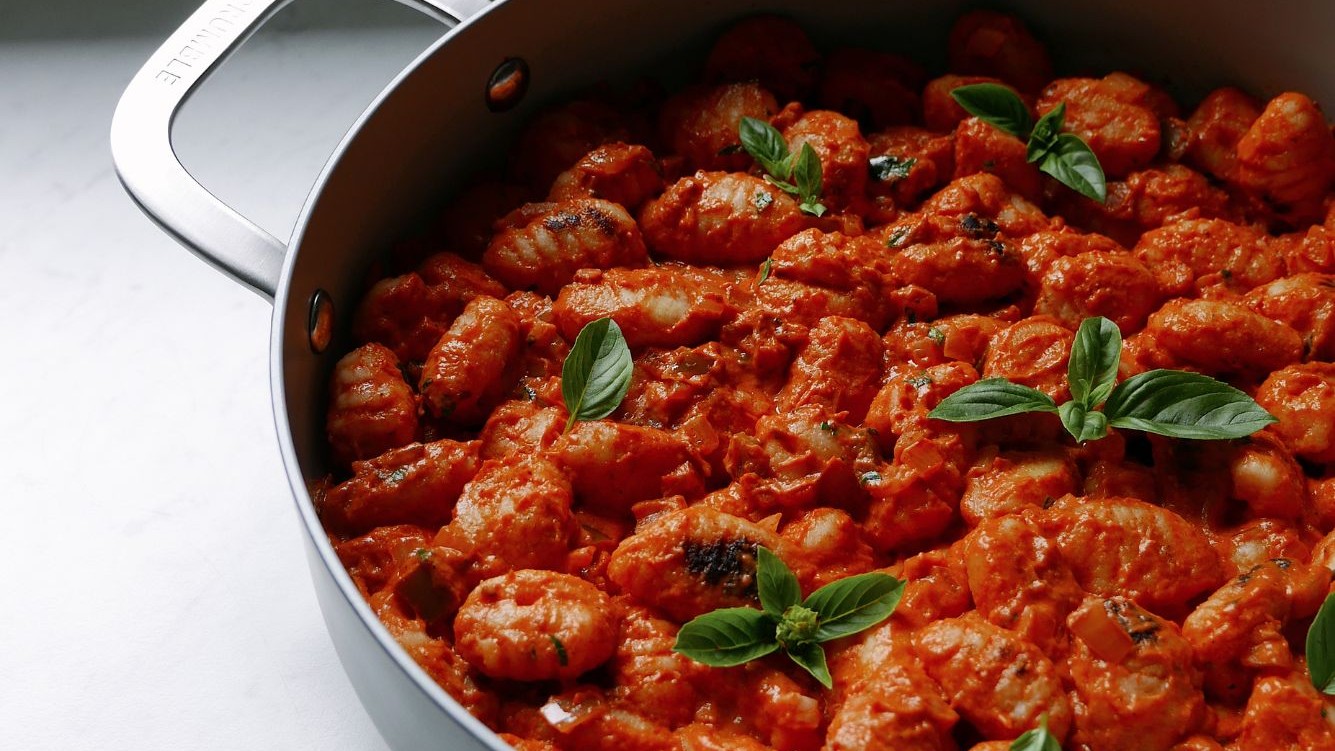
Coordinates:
[154,592]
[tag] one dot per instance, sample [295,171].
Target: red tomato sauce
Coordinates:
[1139,592]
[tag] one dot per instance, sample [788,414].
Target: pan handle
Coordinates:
[146,163]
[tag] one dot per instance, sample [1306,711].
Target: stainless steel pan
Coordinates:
[431,127]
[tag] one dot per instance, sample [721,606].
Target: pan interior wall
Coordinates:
[430,132]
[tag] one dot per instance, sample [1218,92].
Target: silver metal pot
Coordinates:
[432,127]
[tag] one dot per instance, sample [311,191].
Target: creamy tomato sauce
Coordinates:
[1142,593]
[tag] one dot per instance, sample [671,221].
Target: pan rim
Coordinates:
[303,501]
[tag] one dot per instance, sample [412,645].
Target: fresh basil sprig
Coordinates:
[1321,648]
[1062,155]
[732,636]
[596,373]
[797,174]
[1037,739]
[1173,403]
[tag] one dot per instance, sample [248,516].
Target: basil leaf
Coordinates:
[807,171]
[850,605]
[807,174]
[766,268]
[812,658]
[1081,424]
[1038,739]
[1095,354]
[1044,136]
[778,586]
[727,637]
[786,187]
[1075,166]
[991,397]
[1184,405]
[996,105]
[1321,648]
[765,144]
[596,373]
[890,168]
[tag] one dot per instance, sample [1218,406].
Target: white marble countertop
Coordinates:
[156,595]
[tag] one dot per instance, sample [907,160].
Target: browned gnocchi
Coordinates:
[786,342]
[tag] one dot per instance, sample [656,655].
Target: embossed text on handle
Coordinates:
[214,35]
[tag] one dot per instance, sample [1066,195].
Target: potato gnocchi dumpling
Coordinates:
[787,339]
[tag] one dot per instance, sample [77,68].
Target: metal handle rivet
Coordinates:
[320,322]
[507,85]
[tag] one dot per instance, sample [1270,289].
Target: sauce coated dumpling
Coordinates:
[786,341]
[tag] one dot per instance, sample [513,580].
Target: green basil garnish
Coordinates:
[1095,356]
[796,174]
[989,398]
[1173,403]
[1082,423]
[762,200]
[1321,648]
[897,237]
[596,374]
[776,583]
[765,144]
[561,655]
[1044,135]
[1038,739]
[890,168]
[807,173]
[727,637]
[1074,165]
[920,381]
[732,636]
[853,604]
[1062,155]
[1184,405]
[766,268]
[995,105]
[811,656]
